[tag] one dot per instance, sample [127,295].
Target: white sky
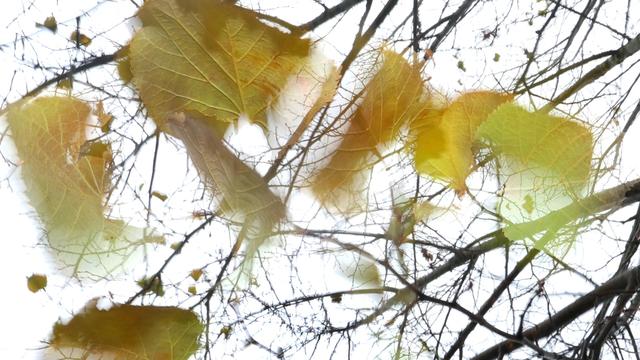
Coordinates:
[27,318]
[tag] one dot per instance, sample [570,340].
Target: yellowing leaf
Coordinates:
[244,193]
[210,59]
[444,148]
[159,195]
[49,23]
[66,178]
[362,272]
[540,140]
[104,118]
[545,162]
[377,120]
[196,274]
[192,290]
[80,38]
[131,332]
[124,64]
[36,282]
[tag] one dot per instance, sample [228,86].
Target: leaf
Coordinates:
[245,194]
[66,83]
[49,23]
[80,38]
[104,117]
[362,271]
[444,148]
[210,59]
[124,64]
[496,57]
[196,274]
[377,121]
[66,178]
[545,161]
[36,282]
[159,195]
[152,284]
[131,332]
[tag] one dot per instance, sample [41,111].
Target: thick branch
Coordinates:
[610,199]
[627,280]
[617,58]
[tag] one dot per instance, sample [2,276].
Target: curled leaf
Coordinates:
[376,121]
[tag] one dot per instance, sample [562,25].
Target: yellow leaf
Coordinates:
[196,274]
[192,290]
[80,38]
[66,178]
[377,120]
[545,162]
[104,118]
[210,59]
[49,23]
[131,332]
[444,148]
[36,282]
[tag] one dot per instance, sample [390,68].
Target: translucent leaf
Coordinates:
[444,147]
[376,121]
[66,179]
[545,161]
[362,271]
[36,282]
[210,59]
[245,194]
[131,332]
[196,274]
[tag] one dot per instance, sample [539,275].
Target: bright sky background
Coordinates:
[27,318]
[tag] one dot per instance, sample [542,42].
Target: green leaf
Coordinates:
[210,59]
[131,332]
[545,162]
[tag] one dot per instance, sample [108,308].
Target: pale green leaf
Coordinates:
[545,162]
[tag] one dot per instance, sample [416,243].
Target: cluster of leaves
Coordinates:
[198,66]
